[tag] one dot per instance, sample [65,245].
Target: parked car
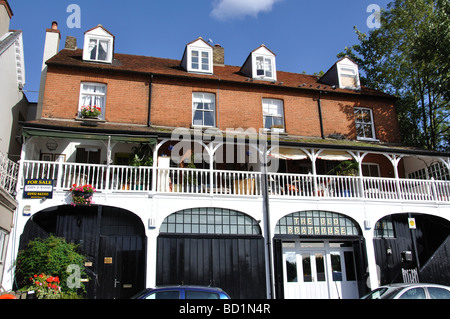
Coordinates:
[410,291]
[182,292]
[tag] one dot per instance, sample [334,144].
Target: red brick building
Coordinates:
[256,230]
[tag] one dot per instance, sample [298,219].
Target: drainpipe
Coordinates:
[150,89]
[268,234]
[319,105]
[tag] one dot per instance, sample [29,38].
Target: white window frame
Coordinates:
[200,61]
[203,97]
[371,166]
[94,94]
[266,113]
[267,65]
[372,124]
[87,54]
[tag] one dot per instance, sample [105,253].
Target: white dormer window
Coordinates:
[98,45]
[260,65]
[343,74]
[348,74]
[198,57]
[348,78]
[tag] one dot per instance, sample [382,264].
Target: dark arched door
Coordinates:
[112,239]
[213,246]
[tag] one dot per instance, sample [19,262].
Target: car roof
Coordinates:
[407,285]
[188,287]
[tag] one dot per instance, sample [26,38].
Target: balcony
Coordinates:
[209,182]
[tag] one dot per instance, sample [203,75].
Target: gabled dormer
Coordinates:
[260,65]
[98,45]
[198,57]
[344,74]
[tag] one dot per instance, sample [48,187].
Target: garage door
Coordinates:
[213,246]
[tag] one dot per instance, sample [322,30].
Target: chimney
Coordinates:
[51,47]
[5,16]
[218,55]
[52,39]
[71,43]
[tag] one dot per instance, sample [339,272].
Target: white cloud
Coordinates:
[237,9]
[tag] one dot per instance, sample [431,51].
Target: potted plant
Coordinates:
[89,111]
[82,195]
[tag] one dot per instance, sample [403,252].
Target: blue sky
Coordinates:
[305,35]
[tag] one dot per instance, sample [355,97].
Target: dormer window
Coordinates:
[348,77]
[198,57]
[343,74]
[260,65]
[98,45]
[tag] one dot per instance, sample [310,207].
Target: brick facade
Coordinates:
[237,105]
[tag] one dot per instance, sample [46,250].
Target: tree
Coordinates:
[408,56]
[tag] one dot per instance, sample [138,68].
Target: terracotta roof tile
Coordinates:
[170,67]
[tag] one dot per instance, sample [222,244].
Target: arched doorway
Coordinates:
[318,255]
[113,240]
[412,252]
[213,246]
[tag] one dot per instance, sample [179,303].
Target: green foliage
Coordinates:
[49,256]
[142,155]
[408,56]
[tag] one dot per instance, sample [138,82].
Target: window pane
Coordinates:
[414,293]
[306,263]
[291,266]
[320,267]
[93,49]
[103,50]
[205,61]
[201,295]
[336,266]
[350,271]
[268,123]
[438,293]
[164,295]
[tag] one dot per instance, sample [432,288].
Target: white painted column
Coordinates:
[373,281]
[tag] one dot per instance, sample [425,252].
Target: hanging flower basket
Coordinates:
[90,111]
[82,195]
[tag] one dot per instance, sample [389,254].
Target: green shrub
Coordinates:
[50,256]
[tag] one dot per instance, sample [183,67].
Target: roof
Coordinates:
[8,7]
[169,67]
[9,40]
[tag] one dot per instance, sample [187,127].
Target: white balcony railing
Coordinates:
[8,174]
[115,178]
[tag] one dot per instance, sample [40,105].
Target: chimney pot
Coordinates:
[54,25]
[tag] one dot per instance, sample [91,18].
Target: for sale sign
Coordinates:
[38,188]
